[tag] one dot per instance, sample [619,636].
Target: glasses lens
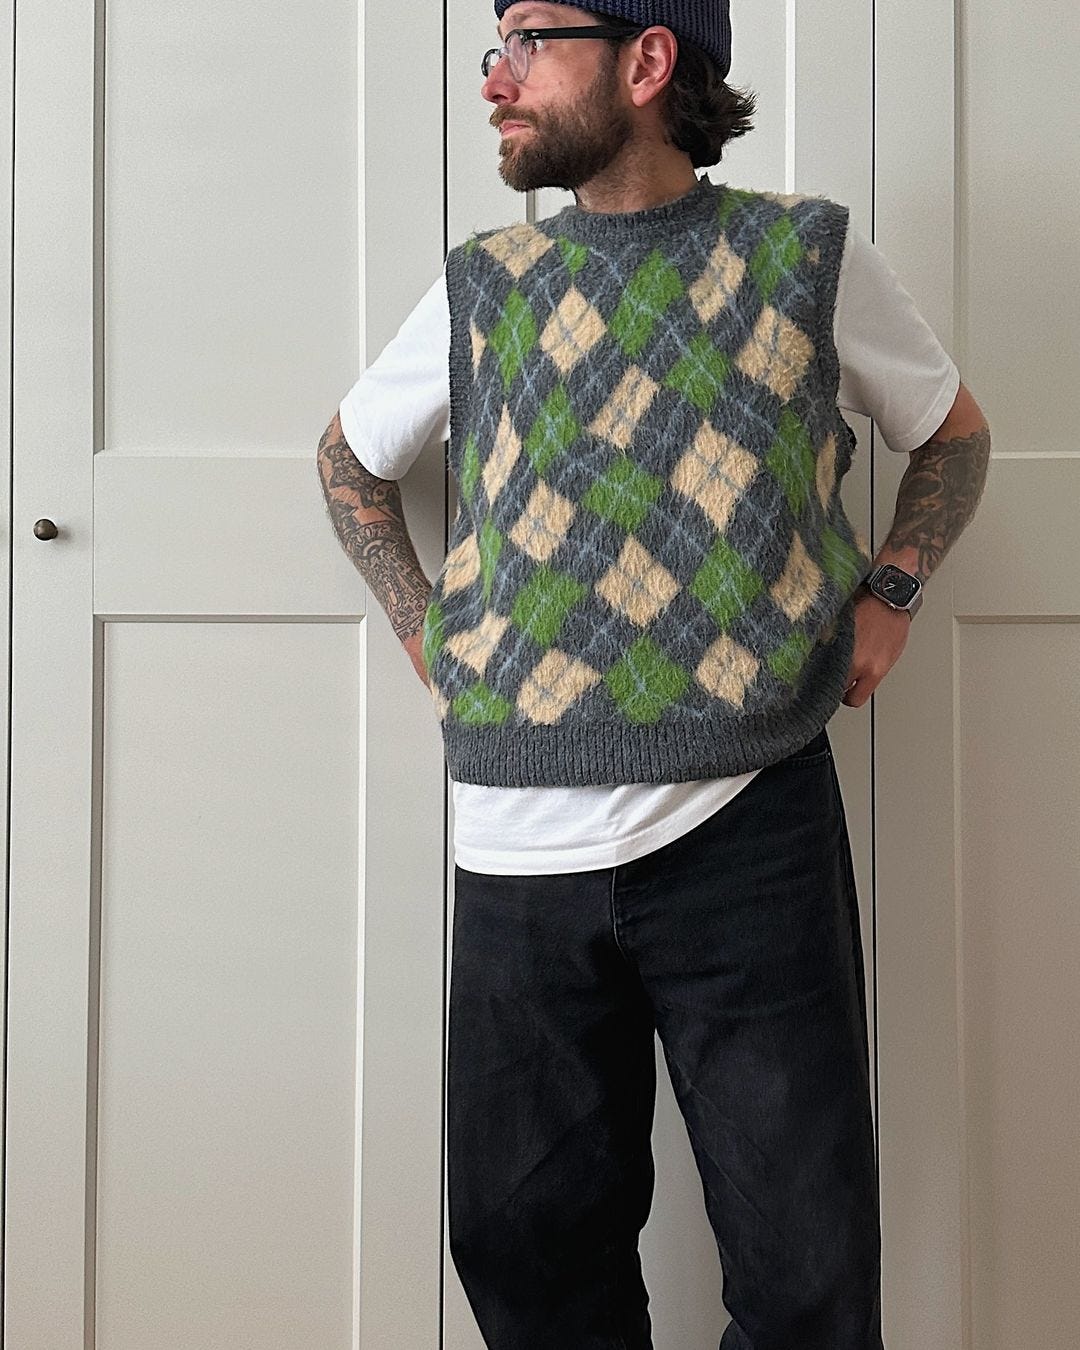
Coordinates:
[519,56]
[515,50]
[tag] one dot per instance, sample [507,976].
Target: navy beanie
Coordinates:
[707,23]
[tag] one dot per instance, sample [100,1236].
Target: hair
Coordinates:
[701,112]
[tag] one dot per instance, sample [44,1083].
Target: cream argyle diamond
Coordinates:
[572,331]
[462,565]
[797,588]
[719,282]
[715,472]
[553,685]
[503,457]
[637,584]
[787,199]
[727,669]
[442,703]
[542,526]
[479,342]
[475,645]
[826,470]
[776,354]
[518,247]
[618,418]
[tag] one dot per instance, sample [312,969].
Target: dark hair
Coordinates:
[701,112]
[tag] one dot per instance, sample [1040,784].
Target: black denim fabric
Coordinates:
[739,943]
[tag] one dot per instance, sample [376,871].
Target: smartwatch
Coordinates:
[897,588]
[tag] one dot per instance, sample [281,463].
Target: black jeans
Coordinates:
[739,943]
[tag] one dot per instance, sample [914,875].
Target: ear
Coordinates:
[651,63]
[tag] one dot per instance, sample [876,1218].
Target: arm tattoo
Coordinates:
[938,495]
[368,518]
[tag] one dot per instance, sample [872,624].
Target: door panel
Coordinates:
[224,872]
[976,780]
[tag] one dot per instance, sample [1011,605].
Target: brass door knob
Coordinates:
[45,529]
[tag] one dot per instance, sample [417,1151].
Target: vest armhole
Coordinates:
[459,356]
[833,227]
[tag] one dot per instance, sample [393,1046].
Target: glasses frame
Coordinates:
[540,35]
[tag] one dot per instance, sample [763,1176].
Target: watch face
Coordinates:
[896,586]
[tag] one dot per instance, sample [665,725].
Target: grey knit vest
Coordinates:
[650,575]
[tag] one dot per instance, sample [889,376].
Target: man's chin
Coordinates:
[526,178]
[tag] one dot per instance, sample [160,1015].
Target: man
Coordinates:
[651,605]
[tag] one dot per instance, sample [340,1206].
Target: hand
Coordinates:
[415,647]
[881,634]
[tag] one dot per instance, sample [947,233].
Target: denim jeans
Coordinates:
[739,944]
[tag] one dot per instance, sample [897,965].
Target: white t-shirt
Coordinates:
[892,369]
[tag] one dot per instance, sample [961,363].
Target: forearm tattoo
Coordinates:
[938,495]
[368,518]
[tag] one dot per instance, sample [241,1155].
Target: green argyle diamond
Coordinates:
[574,255]
[841,560]
[733,199]
[480,706]
[542,605]
[470,468]
[653,287]
[645,682]
[489,546]
[623,494]
[725,584]
[775,256]
[787,660]
[699,375]
[514,336]
[554,429]
[792,460]
[434,633]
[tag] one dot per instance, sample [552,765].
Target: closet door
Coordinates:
[978,728]
[227,796]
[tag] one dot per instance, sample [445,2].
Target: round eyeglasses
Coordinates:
[521,43]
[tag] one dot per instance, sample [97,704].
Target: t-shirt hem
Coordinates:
[351,431]
[594,858]
[935,415]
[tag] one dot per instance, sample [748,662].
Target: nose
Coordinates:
[500,86]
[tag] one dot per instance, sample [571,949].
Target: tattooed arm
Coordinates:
[368,518]
[939,490]
[938,494]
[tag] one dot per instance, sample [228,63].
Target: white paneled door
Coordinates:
[227,795]
[228,910]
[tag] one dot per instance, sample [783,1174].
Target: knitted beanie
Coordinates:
[707,23]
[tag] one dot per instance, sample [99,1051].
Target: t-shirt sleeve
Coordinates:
[892,367]
[401,402]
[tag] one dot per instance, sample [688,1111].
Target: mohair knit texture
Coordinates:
[650,575]
[706,23]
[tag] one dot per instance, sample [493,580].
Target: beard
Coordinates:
[570,147]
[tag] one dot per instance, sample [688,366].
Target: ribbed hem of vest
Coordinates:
[675,752]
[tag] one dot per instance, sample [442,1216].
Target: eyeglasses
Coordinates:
[521,42]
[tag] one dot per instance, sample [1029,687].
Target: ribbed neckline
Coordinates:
[696,204]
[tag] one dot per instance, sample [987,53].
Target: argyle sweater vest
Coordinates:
[650,575]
